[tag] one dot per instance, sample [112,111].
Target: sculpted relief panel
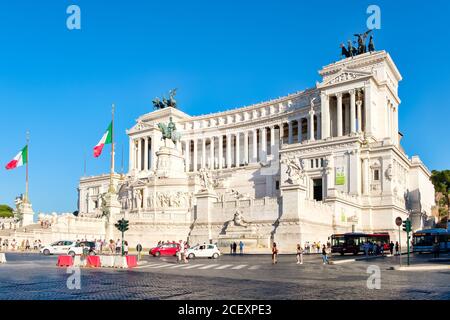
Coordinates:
[170,200]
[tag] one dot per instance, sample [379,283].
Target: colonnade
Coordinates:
[342,114]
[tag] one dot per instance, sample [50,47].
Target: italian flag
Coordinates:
[19,160]
[106,139]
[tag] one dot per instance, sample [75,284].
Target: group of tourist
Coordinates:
[315,247]
[45,224]
[24,245]
[233,248]
[325,251]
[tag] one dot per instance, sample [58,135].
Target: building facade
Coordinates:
[298,168]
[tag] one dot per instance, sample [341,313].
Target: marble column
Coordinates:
[311,125]
[211,156]
[272,140]
[299,130]
[359,108]
[187,155]
[263,145]
[290,134]
[319,125]
[368,110]
[352,111]
[139,148]
[146,141]
[203,165]
[255,146]
[195,155]
[325,115]
[228,150]
[220,152]
[339,114]
[238,151]
[246,160]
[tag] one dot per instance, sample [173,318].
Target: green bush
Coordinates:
[6,211]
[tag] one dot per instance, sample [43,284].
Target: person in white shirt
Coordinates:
[182,252]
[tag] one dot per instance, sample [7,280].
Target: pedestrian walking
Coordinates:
[397,249]
[118,246]
[125,248]
[27,245]
[391,248]
[241,248]
[112,246]
[299,254]
[366,249]
[139,250]
[324,255]
[436,249]
[274,253]
[231,248]
[234,248]
[182,252]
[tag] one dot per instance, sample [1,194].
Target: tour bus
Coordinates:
[353,242]
[423,240]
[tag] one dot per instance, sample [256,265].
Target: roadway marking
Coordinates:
[239,267]
[224,267]
[254,268]
[158,266]
[193,266]
[209,266]
[144,266]
[177,266]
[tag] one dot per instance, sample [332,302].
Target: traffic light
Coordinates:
[122,225]
[407,225]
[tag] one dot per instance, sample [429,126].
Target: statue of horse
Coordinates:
[168,133]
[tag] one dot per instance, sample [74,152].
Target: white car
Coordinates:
[203,251]
[78,249]
[58,247]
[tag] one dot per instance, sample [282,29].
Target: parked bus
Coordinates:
[423,240]
[353,242]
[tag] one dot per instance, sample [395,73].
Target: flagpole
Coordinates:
[26,179]
[111,185]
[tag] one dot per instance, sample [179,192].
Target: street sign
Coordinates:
[398,221]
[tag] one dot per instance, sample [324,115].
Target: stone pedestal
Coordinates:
[201,231]
[113,206]
[170,163]
[248,235]
[27,213]
[288,232]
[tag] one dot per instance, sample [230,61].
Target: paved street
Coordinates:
[33,276]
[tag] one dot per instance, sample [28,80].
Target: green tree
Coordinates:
[6,211]
[441,182]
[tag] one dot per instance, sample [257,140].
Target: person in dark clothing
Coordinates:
[391,248]
[234,248]
[436,249]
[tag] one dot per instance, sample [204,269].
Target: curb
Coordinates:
[421,268]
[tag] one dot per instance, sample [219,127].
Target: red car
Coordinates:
[167,249]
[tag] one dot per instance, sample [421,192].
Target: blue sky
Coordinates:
[60,84]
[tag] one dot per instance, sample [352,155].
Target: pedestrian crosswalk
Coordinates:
[197,266]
